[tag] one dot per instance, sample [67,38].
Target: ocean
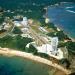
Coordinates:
[63,16]
[21,66]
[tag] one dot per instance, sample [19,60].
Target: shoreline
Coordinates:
[72,39]
[60,28]
[46,16]
[11,52]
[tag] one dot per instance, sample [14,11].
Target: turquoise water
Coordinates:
[21,66]
[63,16]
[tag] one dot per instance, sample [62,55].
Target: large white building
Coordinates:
[51,49]
[54,44]
[46,48]
[25,22]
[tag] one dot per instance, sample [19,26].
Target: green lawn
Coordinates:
[16,42]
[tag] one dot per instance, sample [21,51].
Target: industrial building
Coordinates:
[50,49]
[23,23]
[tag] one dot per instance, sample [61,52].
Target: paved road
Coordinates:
[37,37]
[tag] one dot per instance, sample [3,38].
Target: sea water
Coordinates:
[21,66]
[63,16]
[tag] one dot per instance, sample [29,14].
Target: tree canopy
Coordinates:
[64,62]
[16,42]
[17,31]
[61,35]
[71,46]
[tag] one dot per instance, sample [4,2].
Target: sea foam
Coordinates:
[70,11]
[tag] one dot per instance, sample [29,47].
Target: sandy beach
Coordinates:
[11,52]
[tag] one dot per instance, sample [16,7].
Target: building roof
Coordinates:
[47,48]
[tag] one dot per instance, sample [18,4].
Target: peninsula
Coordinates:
[27,32]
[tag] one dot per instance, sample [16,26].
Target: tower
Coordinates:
[54,44]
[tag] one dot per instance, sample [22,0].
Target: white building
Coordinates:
[24,30]
[25,22]
[50,49]
[26,35]
[17,23]
[43,29]
[4,23]
[46,48]
[47,20]
[23,25]
[54,44]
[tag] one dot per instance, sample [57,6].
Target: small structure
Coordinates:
[30,21]
[17,23]
[58,29]
[47,20]
[24,30]
[43,29]
[26,35]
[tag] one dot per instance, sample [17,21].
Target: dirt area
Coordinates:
[36,28]
[49,29]
[72,59]
[59,73]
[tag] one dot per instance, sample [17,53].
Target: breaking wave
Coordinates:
[70,11]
